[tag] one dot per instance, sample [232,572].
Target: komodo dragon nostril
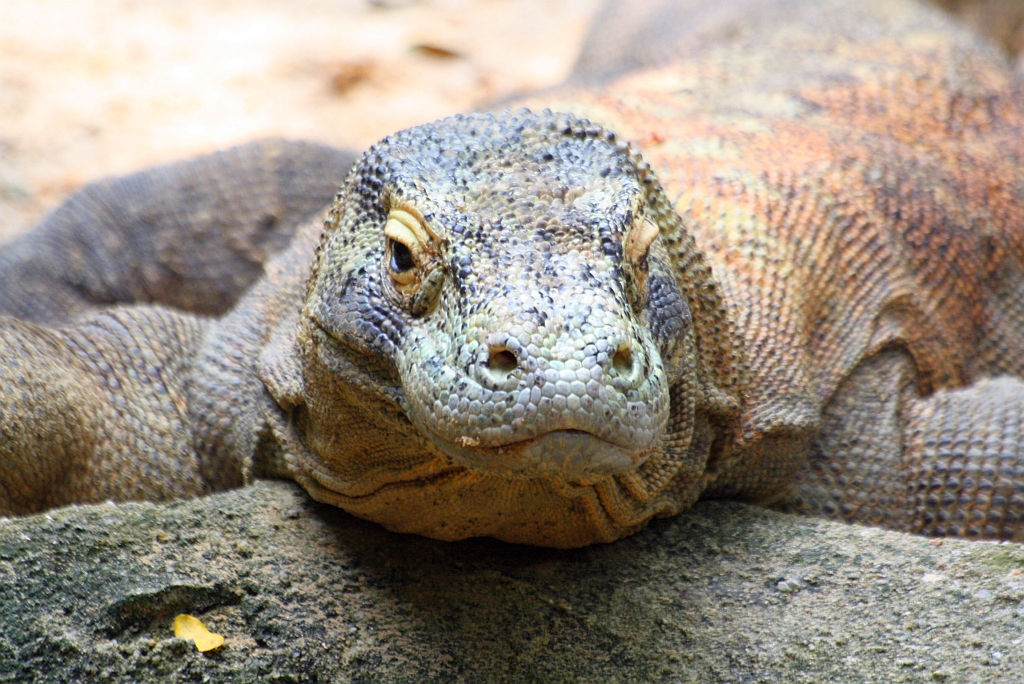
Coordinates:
[501,361]
[500,365]
[622,361]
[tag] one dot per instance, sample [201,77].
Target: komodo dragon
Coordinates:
[508,325]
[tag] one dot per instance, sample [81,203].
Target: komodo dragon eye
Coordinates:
[407,244]
[411,255]
[639,240]
[401,257]
[637,246]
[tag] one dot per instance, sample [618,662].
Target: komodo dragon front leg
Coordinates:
[948,464]
[99,410]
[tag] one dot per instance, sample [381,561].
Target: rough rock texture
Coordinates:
[304,592]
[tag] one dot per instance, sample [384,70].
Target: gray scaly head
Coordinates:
[490,311]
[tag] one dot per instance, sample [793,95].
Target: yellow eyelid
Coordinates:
[640,238]
[414,222]
[399,231]
[406,226]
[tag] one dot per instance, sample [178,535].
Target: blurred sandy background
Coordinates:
[91,88]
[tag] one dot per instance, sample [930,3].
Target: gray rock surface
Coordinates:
[304,593]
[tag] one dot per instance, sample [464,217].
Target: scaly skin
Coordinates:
[512,327]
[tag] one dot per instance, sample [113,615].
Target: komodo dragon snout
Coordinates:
[485,262]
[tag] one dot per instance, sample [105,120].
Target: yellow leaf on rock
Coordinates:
[188,627]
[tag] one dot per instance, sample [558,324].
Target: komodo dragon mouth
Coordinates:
[572,455]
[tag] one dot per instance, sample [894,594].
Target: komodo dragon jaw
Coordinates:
[504,275]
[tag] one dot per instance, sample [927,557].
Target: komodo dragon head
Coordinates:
[495,339]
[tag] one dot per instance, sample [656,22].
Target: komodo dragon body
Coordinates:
[509,325]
